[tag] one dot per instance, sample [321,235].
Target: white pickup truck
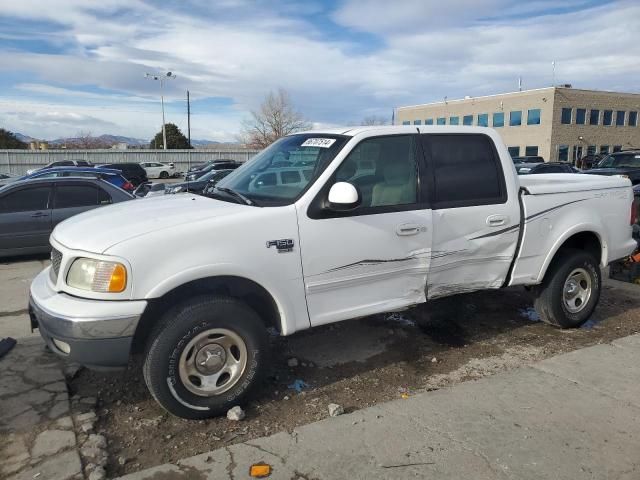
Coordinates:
[320,227]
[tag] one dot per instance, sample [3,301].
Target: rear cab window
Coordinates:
[466,170]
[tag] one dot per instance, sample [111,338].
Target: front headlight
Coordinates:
[97,276]
[176,189]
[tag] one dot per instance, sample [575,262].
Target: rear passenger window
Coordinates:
[68,196]
[466,170]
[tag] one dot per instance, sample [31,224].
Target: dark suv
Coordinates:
[626,163]
[131,171]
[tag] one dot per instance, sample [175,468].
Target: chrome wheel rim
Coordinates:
[577,290]
[212,362]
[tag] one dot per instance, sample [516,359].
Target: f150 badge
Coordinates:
[284,245]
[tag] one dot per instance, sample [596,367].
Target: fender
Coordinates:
[289,296]
[579,228]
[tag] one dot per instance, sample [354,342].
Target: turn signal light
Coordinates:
[118,280]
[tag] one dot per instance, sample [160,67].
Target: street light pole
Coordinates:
[161,78]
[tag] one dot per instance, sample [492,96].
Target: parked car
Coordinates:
[63,163]
[30,209]
[210,187]
[7,178]
[528,159]
[588,161]
[226,165]
[547,167]
[340,245]
[159,170]
[109,175]
[625,163]
[131,171]
[197,186]
[150,190]
[200,166]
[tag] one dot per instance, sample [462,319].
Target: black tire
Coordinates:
[184,324]
[164,175]
[550,294]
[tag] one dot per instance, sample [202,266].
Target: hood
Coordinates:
[101,228]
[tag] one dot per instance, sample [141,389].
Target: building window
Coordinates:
[454,120]
[620,118]
[604,149]
[442,121]
[531,151]
[581,115]
[533,116]
[577,154]
[406,122]
[514,151]
[483,119]
[563,153]
[498,119]
[515,118]
[591,150]
[566,116]
[617,148]
[607,118]
[417,122]
[428,121]
[633,119]
[467,120]
[594,117]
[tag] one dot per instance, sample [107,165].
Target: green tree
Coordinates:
[175,138]
[9,140]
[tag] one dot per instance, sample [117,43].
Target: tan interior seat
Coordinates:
[398,186]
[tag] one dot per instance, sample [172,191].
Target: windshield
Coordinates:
[617,161]
[283,171]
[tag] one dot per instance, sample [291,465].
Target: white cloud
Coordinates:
[428,50]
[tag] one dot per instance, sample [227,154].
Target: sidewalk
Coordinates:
[572,416]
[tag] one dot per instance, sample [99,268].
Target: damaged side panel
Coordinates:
[469,254]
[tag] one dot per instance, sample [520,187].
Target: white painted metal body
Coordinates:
[341,268]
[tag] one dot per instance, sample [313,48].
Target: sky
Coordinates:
[76,65]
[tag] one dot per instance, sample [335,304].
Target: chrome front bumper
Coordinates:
[98,332]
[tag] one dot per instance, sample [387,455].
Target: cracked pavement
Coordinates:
[44,433]
[576,415]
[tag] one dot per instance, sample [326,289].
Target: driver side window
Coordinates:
[384,170]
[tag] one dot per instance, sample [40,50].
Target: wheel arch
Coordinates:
[249,291]
[581,238]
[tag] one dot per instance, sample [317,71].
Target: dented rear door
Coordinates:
[475,214]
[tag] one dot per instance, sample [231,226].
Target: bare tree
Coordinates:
[276,118]
[374,120]
[84,140]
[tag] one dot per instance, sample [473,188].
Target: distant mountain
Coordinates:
[106,139]
[24,138]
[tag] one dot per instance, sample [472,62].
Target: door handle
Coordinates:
[410,229]
[38,214]
[497,220]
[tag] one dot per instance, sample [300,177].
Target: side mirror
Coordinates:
[343,197]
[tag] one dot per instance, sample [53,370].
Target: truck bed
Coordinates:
[569,182]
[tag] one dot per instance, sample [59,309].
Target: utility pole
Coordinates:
[161,78]
[188,119]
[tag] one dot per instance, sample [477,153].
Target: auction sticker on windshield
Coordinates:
[318,142]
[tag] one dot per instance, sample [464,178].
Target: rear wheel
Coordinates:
[570,290]
[206,356]
[164,175]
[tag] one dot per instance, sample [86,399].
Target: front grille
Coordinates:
[56,258]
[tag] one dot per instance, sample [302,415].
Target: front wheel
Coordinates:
[164,175]
[206,356]
[570,290]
